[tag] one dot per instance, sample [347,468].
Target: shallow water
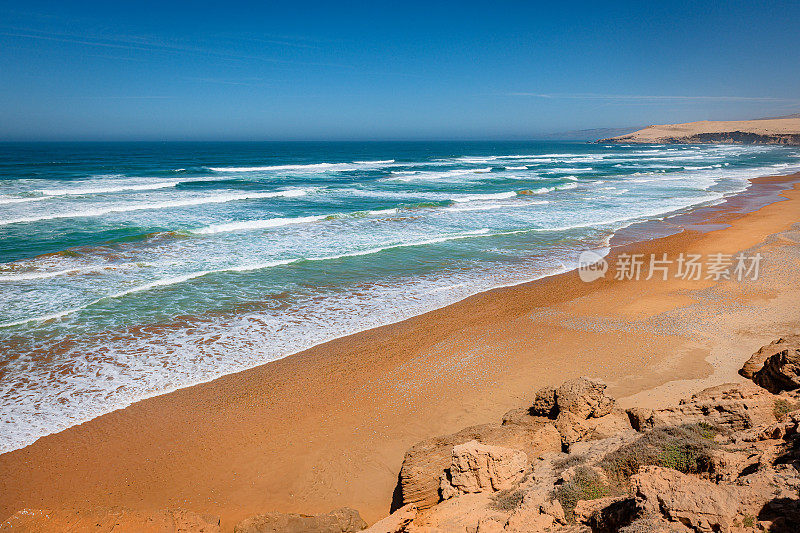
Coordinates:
[128,270]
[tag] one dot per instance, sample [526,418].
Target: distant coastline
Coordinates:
[780,130]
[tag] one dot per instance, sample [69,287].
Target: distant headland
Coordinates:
[777,130]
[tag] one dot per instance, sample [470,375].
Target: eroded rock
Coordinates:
[583,397]
[536,513]
[756,361]
[606,515]
[395,522]
[781,371]
[425,462]
[734,406]
[545,403]
[477,467]
[695,502]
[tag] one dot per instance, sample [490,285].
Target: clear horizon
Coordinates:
[92,71]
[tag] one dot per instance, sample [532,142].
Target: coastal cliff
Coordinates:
[782,130]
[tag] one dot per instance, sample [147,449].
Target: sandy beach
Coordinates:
[328,427]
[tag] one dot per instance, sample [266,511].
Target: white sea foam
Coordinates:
[557,170]
[159,283]
[175,280]
[479,197]
[29,276]
[565,187]
[106,190]
[312,167]
[247,225]
[21,200]
[490,207]
[516,168]
[220,198]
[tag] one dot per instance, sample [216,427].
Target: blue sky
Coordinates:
[379,70]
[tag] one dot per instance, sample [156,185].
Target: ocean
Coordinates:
[132,269]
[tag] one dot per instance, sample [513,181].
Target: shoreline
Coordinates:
[221,446]
[633,232]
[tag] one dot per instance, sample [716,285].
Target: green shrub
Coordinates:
[685,448]
[507,500]
[782,407]
[585,485]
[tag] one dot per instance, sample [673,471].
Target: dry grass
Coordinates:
[507,500]
[685,448]
[585,485]
[782,407]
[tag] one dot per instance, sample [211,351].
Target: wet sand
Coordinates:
[328,427]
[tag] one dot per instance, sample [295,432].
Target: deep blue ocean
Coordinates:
[132,269]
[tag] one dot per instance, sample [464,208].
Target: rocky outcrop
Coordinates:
[395,522]
[536,513]
[426,462]
[781,371]
[344,520]
[111,519]
[544,404]
[694,502]
[725,459]
[732,406]
[584,398]
[756,361]
[479,467]
[559,417]
[605,514]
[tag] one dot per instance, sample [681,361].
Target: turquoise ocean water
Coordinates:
[129,270]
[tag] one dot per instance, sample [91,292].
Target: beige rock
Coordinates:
[584,398]
[571,427]
[477,467]
[108,519]
[777,130]
[395,522]
[605,514]
[536,513]
[756,361]
[461,514]
[735,406]
[614,423]
[728,465]
[425,462]
[781,371]
[700,504]
[768,486]
[783,429]
[344,520]
[641,418]
[545,403]
[490,524]
[593,450]
[654,524]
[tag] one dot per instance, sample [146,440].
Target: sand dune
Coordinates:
[780,130]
